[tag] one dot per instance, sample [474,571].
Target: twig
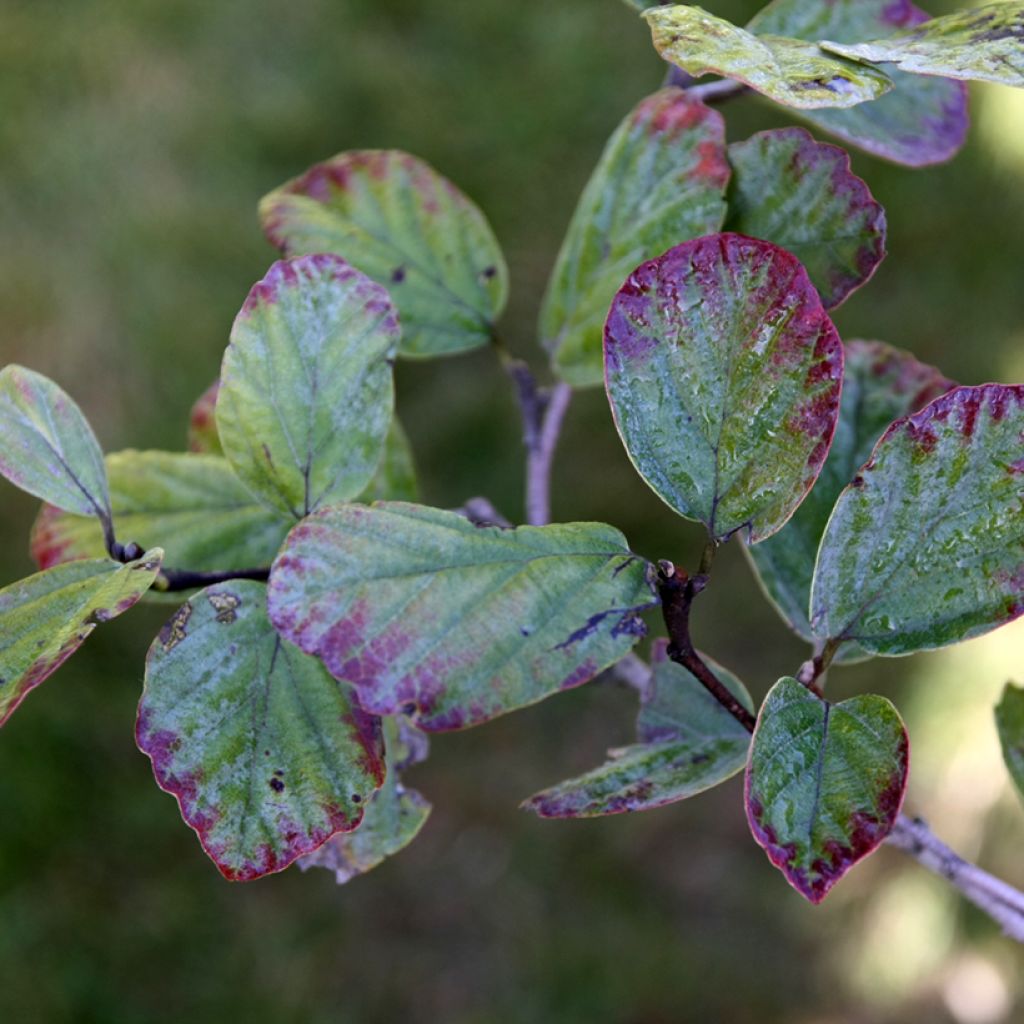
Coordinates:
[677,591]
[812,672]
[1003,903]
[710,92]
[186,579]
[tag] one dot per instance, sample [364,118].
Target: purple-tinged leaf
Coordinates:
[267,754]
[411,230]
[724,373]
[687,743]
[45,618]
[790,71]
[306,394]
[921,121]
[880,384]
[660,180]
[925,547]
[451,623]
[47,446]
[825,782]
[202,423]
[393,818]
[801,194]
[1010,724]
[985,44]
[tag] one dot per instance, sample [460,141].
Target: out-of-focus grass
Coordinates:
[135,139]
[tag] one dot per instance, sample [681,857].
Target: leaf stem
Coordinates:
[1003,903]
[677,591]
[186,579]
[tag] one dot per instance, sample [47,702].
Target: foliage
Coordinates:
[329,617]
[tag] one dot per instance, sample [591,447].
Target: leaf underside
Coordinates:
[922,121]
[790,71]
[724,373]
[660,180]
[687,743]
[925,547]
[824,783]
[202,423]
[453,624]
[410,230]
[267,754]
[1010,725]
[45,618]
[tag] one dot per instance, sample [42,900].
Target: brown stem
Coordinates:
[186,579]
[677,591]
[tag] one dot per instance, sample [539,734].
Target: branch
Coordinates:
[185,579]
[1003,903]
[710,92]
[677,591]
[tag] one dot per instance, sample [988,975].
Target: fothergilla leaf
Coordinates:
[306,393]
[925,547]
[789,71]
[45,618]
[985,44]
[724,372]
[1010,724]
[267,754]
[424,612]
[687,743]
[393,818]
[48,447]
[660,180]
[923,120]
[824,782]
[880,384]
[202,423]
[193,504]
[411,230]
[801,194]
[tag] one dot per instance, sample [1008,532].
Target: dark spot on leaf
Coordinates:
[224,604]
[489,272]
[356,798]
[174,631]
[276,785]
[398,275]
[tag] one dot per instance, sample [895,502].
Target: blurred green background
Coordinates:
[135,139]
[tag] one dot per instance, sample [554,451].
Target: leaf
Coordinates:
[397,220]
[789,71]
[45,618]
[394,815]
[925,547]
[306,394]
[985,44]
[824,782]
[267,755]
[48,447]
[801,194]
[723,373]
[427,614]
[1010,724]
[688,743]
[880,384]
[921,121]
[202,423]
[192,505]
[395,479]
[660,180]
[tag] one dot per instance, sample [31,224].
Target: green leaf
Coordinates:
[267,755]
[192,505]
[723,373]
[985,44]
[880,384]
[921,121]
[45,618]
[925,547]
[789,71]
[1010,724]
[306,394]
[202,423]
[411,230]
[48,447]
[395,479]
[824,782]
[801,194]
[394,815]
[660,180]
[688,743]
[425,613]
